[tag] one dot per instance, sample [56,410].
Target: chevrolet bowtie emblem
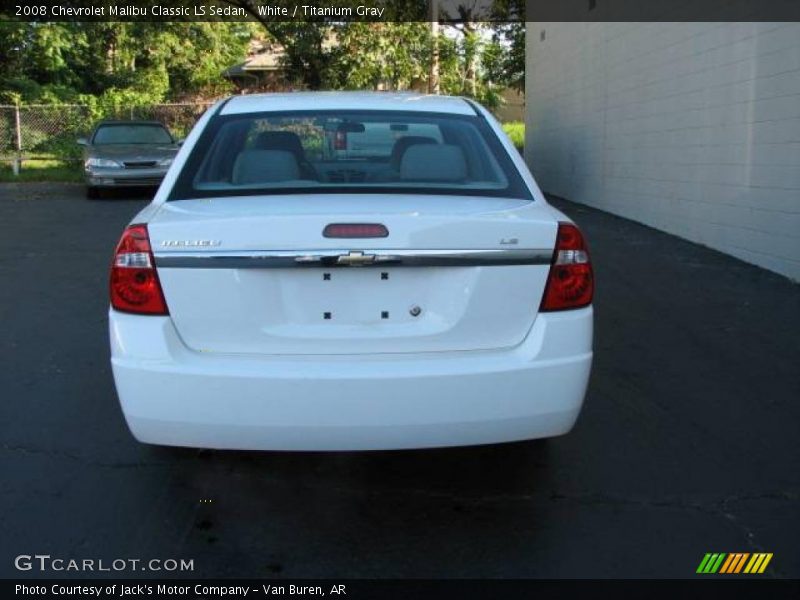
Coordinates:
[355,259]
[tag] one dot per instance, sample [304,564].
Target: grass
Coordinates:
[516,131]
[42,170]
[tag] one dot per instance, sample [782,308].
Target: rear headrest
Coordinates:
[403,144]
[280,140]
[433,162]
[264,166]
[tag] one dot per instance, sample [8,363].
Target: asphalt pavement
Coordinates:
[688,442]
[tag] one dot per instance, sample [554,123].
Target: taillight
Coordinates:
[570,283]
[134,282]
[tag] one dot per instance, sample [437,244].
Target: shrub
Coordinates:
[515,130]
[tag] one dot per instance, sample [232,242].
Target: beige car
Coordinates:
[127,154]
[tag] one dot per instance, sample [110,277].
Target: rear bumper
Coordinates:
[175,396]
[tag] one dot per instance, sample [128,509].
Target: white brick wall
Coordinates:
[692,128]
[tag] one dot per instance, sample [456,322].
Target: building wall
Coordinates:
[512,108]
[692,128]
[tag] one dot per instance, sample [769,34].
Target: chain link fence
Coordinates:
[50,131]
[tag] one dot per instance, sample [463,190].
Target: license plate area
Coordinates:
[348,306]
[355,295]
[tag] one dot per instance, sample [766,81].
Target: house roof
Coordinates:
[269,59]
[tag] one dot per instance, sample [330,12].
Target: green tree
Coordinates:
[152,62]
[391,55]
[313,56]
[509,33]
[309,51]
[14,41]
[48,62]
[309,54]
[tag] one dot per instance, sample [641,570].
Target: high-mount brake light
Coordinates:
[134,282]
[355,230]
[570,283]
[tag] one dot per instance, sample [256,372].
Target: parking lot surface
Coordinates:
[688,442]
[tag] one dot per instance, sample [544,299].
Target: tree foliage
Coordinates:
[391,56]
[153,62]
[509,33]
[118,63]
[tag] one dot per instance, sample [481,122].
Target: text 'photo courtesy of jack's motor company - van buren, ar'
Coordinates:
[201,590]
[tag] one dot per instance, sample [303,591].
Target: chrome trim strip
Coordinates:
[280,259]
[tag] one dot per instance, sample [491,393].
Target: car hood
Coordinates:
[133,151]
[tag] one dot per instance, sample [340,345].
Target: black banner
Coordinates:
[444,11]
[662,10]
[232,589]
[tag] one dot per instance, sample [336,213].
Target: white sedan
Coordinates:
[349,271]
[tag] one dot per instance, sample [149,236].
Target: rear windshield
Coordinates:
[353,152]
[131,134]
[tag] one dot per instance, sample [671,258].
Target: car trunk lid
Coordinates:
[256,275]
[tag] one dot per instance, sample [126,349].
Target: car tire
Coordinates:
[92,193]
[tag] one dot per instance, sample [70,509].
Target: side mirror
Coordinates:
[82,141]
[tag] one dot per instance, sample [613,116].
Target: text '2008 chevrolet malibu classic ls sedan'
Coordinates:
[349,271]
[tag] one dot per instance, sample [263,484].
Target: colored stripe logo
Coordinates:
[734,563]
